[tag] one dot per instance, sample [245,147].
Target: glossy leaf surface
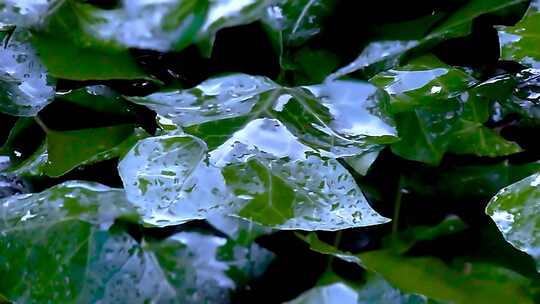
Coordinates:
[437,109]
[521,41]
[430,277]
[256,159]
[101,263]
[514,210]
[25,85]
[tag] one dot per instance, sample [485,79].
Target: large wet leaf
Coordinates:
[262,152]
[430,277]
[62,244]
[515,211]
[521,42]
[399,41]
[437,110]
[25,86]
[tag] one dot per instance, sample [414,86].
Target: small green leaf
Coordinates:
[515,211]
[437,109]
[98,98]
[69,149]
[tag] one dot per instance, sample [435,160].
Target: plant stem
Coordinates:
[41,124]
[397,207]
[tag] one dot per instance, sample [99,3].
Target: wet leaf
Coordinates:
[228,13]
[399,41]
[25,85]
[67,38]
[98,98]
[257,157]
[69,149]
[521,42]
[437,109]
[295,22]
[26,13]
[70,224]
[514,209]
[431,278]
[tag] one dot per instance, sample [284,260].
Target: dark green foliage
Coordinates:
[269,151]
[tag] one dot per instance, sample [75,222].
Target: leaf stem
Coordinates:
[41,124]
[397,207]
[337,241]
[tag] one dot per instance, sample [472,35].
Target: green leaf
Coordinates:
[297,21]
[399,41]
[62,244]
[67,38]
[521,42]
[33,166]
[162,26]
[228,13]
[515,209]
[25,85]
[98,98]
[374,290]
[264,152]
[25,13]
[437,110]
[21,125]
[434,279]
[241,231]
[430,277]
[405,240]
[69,149]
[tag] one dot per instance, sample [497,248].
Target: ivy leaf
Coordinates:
[292,23]
[520,42]
[397,42]
[514,209]
[69,149]
[26,13]
[430,277]
[94,262]
[262,152]
[162,26]
[67,38]
[25,85]
[33,166]
[436,109]
[228,13]
[98,98]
